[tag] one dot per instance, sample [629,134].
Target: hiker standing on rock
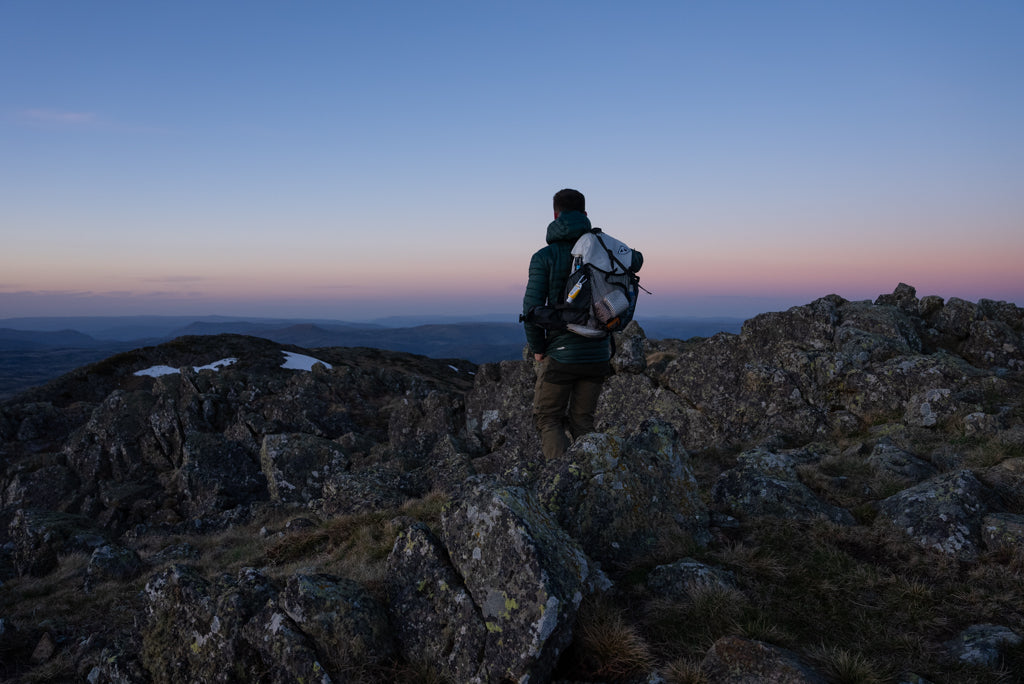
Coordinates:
[572,367]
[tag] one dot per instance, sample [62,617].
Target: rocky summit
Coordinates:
[835,494]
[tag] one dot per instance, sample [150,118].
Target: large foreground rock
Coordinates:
[525,576]
[944,513]
[436,621]
[620,498]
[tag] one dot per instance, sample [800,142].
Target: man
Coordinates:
[571,367]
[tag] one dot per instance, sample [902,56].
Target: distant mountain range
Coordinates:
[36,350]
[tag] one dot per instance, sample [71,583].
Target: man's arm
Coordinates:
[536,295]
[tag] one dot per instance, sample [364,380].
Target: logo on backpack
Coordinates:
[600,294]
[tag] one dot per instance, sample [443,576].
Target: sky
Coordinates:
[350,160]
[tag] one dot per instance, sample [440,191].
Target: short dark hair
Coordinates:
[569,200]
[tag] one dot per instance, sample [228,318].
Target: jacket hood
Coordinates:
[569,225]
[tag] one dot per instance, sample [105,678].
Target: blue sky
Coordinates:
[346,160]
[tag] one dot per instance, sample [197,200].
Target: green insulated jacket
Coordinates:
[549,269]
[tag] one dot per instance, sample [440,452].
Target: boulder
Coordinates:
[49,485]
[296,465]
[733,660]
[765,483]
[417,423]
[372,489]
[230,629]
[628,399]
[1003,531]
[345,622]
[218,474]
[117,442]
[39,537]
[111,562]
[982,645]
[434,618]
[888,459]
[526,576]
[499,412]
[944,513]
[185,638]
[994,344]
[630,349]
[287,654]
[620,498]
[674,580]
[904,297]
[39,421]
[955,318]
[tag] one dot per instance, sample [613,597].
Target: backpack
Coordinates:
[600,294]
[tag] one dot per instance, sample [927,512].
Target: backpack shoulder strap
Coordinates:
[611,255]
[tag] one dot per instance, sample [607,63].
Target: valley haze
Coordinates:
[35,350]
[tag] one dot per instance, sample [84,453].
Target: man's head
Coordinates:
[569,200]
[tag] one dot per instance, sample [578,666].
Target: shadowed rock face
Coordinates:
[104,462]
[620,498]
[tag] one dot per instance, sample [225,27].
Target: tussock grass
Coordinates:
[687,626]
[880,600]
[683,671]
[355,546]
[418,673]
[608,645]
[841,666]
[60,604]
[761,627]
[59,669]
[61,598]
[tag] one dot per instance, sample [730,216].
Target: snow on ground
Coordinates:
[217,365]
[157,371]
[293,361]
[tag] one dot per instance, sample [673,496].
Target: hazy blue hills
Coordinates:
[36,350]
[35,339]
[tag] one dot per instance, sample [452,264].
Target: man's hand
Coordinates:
[538,357]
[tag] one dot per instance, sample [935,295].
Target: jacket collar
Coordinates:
[569,225]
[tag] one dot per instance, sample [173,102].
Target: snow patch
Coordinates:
[293,361]
[157,371]
[216,365]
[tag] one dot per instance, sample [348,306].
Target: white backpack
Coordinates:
[601,283]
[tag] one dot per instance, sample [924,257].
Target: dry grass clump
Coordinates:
[418,673]
[683,671]
[688,627]
[59,669]
[61,597]
[874,600]
[989,452]
[60,605]
[607,645]
[841,666]
[355,546]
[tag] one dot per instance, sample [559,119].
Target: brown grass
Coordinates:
[609,644]
[683,671]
